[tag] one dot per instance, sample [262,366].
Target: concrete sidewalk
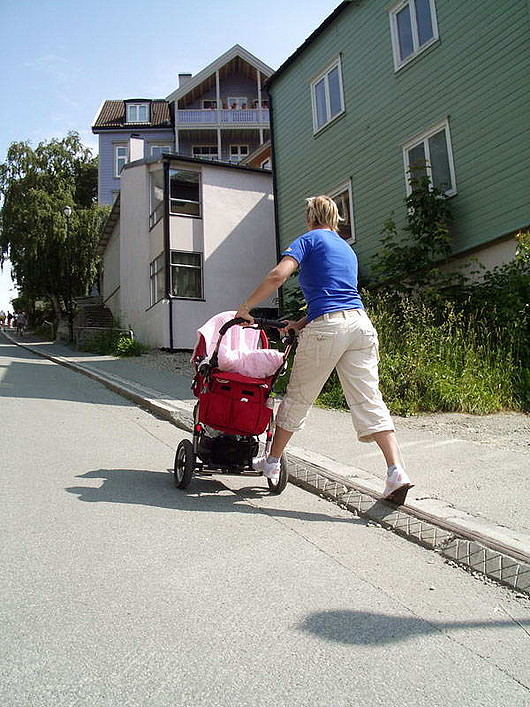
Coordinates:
[458,507]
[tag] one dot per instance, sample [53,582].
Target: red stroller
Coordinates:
[233,409]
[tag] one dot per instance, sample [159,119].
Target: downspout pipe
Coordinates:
[167,252]
[275,195]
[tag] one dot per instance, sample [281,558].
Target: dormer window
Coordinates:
[137,112]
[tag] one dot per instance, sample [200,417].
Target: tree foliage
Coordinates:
[51,256]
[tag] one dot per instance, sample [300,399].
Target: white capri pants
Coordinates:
[346,341]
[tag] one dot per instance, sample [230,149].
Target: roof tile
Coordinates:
[112,116]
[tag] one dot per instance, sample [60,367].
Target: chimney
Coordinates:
[183,79]
[136,147]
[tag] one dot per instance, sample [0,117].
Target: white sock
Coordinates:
[392,468]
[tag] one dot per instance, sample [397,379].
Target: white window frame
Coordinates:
[163,148]
[336,63]
[117,158]
[137,106]
[424,138]
[156,203]
[157,269]
[334,192]
[199,267]
[199,203]
[210,155]
[417,49]
[238,155]
[236,99]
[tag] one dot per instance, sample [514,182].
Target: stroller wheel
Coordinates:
[283,479]
[184,464]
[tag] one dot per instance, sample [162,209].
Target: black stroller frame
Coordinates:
[213,451]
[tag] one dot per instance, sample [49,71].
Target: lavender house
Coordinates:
[221,114]
[115,123]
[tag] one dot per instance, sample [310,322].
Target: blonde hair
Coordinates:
[322,211]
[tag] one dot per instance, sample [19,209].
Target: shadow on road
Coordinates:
[369,629]
[161,385]
[27,375]
[155,488]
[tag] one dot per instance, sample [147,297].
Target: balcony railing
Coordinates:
[219,117]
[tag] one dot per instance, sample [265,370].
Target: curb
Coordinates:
[476,545]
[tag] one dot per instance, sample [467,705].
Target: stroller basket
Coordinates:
[236,404]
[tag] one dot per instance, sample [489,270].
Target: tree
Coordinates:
[51,256]
[410,257]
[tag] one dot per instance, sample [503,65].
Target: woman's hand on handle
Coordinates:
[243,313]
[297,326]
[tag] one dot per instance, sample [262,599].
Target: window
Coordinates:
[184,192]
[156,210]
[120,158]
[429,155]
[237,102]
[186,274]
[413,28]
[159,150]
[137,113]
[208,104]
[237,152]
[207,152]
[266,164]
[327,96]
[157,281]
[342,196]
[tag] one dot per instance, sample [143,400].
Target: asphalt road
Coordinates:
[116,589]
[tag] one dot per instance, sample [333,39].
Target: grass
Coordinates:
[440,361]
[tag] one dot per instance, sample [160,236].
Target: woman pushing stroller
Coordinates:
[336,333]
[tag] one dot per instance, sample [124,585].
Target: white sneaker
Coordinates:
[397,484]
[269,470]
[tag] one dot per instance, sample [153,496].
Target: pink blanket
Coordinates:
[239,350]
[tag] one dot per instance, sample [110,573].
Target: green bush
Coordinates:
[125,346]
[47,330]
[113,343]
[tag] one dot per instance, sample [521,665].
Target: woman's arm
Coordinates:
[275,279]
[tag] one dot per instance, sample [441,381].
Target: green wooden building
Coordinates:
[380,87]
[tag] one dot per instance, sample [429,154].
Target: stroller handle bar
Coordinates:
[259,323]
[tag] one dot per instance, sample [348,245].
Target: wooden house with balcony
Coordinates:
[222,113]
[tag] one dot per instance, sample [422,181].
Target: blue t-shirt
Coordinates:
[328,272]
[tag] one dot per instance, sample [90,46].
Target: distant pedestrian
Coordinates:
[336,333]
[9,318]
[2,318]
[21,323]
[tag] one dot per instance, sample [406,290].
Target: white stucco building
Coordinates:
[187,238]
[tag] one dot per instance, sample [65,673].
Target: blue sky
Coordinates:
[60,59]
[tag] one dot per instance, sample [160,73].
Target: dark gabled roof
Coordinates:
[308,41]
[111,115]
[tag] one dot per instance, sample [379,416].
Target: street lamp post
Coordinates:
[68,212]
